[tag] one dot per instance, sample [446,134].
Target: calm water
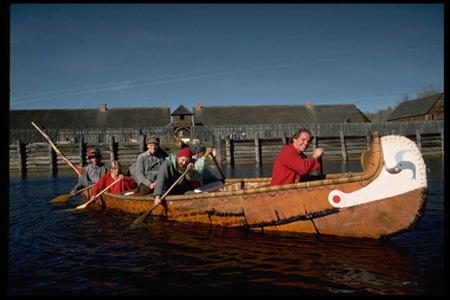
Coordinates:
[53,251]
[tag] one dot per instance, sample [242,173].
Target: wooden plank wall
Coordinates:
[205,133]
[90,135]
[337,148]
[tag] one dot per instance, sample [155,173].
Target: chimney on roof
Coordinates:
[309,105]
[103,107]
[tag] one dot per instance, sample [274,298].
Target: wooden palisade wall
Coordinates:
[39,156]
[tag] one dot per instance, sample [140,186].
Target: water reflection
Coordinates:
[205,259]
[301,262]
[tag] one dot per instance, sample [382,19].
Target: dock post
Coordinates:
[112,148]
[419,140]
[53,160]
[368,138]
[257,149]
[218,146]
[82,147]
[343,147]
[442,140]
[229,149]
[213,144]
[142,145]
[21,154]
[315,142]
[284,139]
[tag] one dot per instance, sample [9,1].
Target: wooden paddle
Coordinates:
[104,190]
[56,149]
[65,197]
[145,215]
[217,165]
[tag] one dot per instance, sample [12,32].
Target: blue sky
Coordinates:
[141,55]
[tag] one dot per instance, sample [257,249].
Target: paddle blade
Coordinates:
[82,206]
[61,199]
[144,216]
[140,219]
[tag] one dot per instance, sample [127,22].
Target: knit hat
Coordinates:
[186,152]
[198,148]
[94,153]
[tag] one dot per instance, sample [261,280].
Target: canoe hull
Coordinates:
[386,198]
[375,220]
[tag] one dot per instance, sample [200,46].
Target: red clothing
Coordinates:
[290,165]
[126,184]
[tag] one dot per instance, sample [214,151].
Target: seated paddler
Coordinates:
[145,170]
[292,163]
[126,184]
[170,170]
[92,172]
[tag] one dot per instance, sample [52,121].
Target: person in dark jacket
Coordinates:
[170,170]
[145,171]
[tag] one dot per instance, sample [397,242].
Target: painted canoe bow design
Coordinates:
[386,198]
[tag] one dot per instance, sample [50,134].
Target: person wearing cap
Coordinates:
[147,165]
[170,170]
[92,172]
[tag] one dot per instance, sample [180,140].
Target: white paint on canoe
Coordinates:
[404,170]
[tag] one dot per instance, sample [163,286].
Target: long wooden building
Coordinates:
[64,124]
[277,114]
[421,109]
[102,118]
[95,125]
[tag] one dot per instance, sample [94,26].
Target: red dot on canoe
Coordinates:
[336,199]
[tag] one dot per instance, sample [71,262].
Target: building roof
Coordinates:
[90,118]
[277,114]
[181,110]
[416,107]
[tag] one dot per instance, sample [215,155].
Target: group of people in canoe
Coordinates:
[155,171]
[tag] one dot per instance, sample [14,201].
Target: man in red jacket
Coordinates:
[292,163]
